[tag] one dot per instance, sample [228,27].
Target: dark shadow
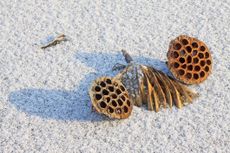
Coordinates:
[74,105]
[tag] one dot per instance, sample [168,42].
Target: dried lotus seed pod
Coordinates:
[189,59]
[110,97]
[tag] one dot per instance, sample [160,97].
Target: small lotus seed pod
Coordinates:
[110,97]
[189,60]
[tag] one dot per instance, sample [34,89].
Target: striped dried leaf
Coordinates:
[147,85]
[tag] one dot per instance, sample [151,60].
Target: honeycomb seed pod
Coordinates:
[110,97]
[189,60]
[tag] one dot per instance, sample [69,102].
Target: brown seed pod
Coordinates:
[189,60]
[147,85]
[110,97]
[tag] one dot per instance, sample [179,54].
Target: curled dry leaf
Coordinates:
[110,97]
[147,85]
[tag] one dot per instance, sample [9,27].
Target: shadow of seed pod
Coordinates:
[189,59]
[110,97]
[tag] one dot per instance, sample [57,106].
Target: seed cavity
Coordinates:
[176,65]
[184,41]
[103,104]
[195,60]
[177,46]
[202,48]
[108,81]
[195,45]
[202,74]
[189,49]
[201,55]
[190,67]
[103,84]
[194,52]
[188,75]
[189,59]
[181,72]
[196,76]
[197,68]
[97,88]
[105,92]
[98,97]
[182,60]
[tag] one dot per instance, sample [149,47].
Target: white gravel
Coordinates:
[44,104]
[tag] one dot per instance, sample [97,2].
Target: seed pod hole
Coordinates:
[209,62]
[206,55]
[206,68]
[122,88]
[195,45]
[108,81]
[188,75]
[197,68]
[120,102]
[103,84]
[114,96]
[103,104]
[107,99]
[189,59]
[98,97]
[182,60]
[177,46]
[189,49]
[195,60]
[194,52]
[202,74]
[128,102]
[110,109]
[201,55]
[202,48]
[114,103]
[111,88]
[105,92]
[126,109]
[195,76]
[184,41]
[181,72]
[176,65]
[184,66]
[97,88]
[123,98]
[190,67]
[202,63]
[175,54]
[118,91]
[182,53]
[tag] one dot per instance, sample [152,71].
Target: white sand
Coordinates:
[44,104]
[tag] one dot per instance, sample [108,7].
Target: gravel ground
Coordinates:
[44,102]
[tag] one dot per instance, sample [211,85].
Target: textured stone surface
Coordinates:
[44,102]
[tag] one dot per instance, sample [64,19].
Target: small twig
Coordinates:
[128,58]
[56,41]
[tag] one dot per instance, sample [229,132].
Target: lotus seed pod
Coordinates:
[189,60]
[110,97]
